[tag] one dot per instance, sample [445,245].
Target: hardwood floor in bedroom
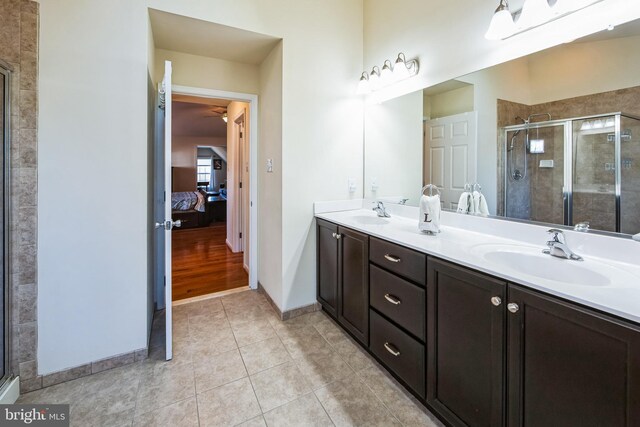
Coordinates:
[202,263]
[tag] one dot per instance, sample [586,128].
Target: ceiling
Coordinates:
[198,118]
[203,38]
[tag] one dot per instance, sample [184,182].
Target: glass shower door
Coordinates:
[4,191]
[594,173]
[629,175]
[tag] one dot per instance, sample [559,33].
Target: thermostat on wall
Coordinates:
[546,163]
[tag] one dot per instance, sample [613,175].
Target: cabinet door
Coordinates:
[353,286]
[327,268]
[570,366]
[465,345]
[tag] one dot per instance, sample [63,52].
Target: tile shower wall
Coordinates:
[19,48]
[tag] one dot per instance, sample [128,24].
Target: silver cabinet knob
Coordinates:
[338,236]
[496,301]
[333,235]
[513,307]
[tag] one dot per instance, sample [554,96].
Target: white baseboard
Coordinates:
[10,392]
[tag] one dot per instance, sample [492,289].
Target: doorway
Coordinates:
[209,196]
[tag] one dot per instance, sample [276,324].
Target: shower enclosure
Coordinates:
[575,170]
[5,116]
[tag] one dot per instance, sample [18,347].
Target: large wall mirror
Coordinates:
[552,137]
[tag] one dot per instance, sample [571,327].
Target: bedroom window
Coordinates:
[204,170]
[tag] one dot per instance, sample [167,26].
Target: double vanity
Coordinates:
[483,329]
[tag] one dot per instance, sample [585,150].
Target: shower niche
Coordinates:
[573,170]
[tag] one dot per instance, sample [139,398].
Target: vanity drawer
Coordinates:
[399,300]
[399,352]
[400,260]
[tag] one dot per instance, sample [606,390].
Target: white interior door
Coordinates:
[451,146]
[166,224]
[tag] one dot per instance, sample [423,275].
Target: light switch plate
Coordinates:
[352,185]
[546,163]
[269,165]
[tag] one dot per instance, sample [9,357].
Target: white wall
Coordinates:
[270,183]
[93,122]
[394,128]
[92,174]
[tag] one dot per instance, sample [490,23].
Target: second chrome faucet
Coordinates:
[558,246]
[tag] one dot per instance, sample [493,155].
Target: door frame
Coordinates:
[252,100]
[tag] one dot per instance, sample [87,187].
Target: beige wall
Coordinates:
[211,73]
[449,103]
[235,175]
[184,154]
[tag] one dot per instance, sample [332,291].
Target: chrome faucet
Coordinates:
[558,246]
[380,210]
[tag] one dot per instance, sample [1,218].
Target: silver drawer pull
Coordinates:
[391,349]
[392,258]
[392,299]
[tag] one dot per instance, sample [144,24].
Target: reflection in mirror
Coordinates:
[553,137]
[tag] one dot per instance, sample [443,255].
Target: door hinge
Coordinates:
[240,134]
[241,235]
[240,185]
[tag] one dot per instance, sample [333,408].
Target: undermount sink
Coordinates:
[370,220]
[531,261]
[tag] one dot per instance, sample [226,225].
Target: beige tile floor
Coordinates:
[236,363]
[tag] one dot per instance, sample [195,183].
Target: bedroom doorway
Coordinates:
[210,193]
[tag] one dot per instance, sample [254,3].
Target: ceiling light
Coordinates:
[224,117]
[502,25]
[363,85]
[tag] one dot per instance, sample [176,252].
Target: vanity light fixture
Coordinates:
[534,13]
[388,75]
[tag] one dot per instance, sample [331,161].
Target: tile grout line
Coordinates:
[244,364]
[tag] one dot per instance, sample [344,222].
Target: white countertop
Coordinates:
[614,260]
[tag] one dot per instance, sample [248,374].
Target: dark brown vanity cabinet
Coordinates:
[465,344]
[479,351]
[343,277]
[570,366]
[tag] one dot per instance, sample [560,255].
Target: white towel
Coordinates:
[475,202]
[429,214]
[464,204]
[483,208]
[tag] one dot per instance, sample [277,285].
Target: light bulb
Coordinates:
[374,79]
[400,70]
[363,85]
[534,12]
[386,75]
[502,25]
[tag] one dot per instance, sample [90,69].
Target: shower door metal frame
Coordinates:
[567,190]
[6,70]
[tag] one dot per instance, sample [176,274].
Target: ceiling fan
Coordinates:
[217,111]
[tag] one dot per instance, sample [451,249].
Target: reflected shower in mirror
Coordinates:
[553,137]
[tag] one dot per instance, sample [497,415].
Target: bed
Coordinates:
[190,208]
